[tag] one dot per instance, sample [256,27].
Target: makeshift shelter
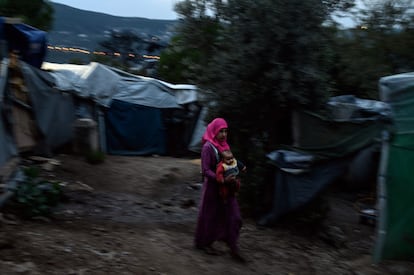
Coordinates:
[133,115]
[7,145]
[323,150]
[395,182]
[136,115]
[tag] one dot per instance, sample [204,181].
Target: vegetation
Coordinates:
[256,57]
[37,13]
[35,196]
[379,45]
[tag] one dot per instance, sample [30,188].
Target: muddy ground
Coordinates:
[136,215]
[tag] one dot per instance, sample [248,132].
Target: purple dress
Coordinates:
[217,221]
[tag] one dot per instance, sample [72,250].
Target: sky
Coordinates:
[151,9]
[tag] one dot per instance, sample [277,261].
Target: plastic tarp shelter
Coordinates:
[134,108]
[53,110]
[395,239]
[7,146]
[297,180]
[135,129]
[324,148]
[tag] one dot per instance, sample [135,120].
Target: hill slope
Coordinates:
[85,29]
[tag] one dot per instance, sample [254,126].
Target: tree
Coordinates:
[37,13]
[259,59]
[193,46]
[380,45]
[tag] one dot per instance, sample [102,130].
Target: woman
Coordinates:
[217,221]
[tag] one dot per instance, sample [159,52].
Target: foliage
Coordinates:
[193,46]
[35,196]
[256,57]
[37,13]
[278,64]
[179,64]
[380,45]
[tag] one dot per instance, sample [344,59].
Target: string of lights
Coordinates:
[83,51]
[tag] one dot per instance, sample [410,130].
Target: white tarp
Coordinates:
[104,83]
[392,86]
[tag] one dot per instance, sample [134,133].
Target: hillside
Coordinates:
[84,29]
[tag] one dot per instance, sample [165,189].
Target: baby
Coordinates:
[229,166]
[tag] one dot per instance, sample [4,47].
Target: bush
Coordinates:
[35,196]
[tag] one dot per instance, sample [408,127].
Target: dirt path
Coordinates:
[136,215]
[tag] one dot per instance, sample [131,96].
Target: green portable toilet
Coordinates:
[395,228]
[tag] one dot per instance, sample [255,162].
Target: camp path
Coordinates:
[136,215]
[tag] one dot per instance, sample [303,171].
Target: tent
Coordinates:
[395,181]
[136,115]
[324,149]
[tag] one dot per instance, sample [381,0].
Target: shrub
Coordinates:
[35,196]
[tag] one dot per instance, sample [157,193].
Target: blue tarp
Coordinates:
[133,129]
[297,180]
[29,42]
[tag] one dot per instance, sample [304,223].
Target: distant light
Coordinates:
[363,27]
[79,50]
[151,56]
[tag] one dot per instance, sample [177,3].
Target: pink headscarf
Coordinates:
[213,128]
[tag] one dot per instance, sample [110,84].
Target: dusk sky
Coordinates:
[152,9]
